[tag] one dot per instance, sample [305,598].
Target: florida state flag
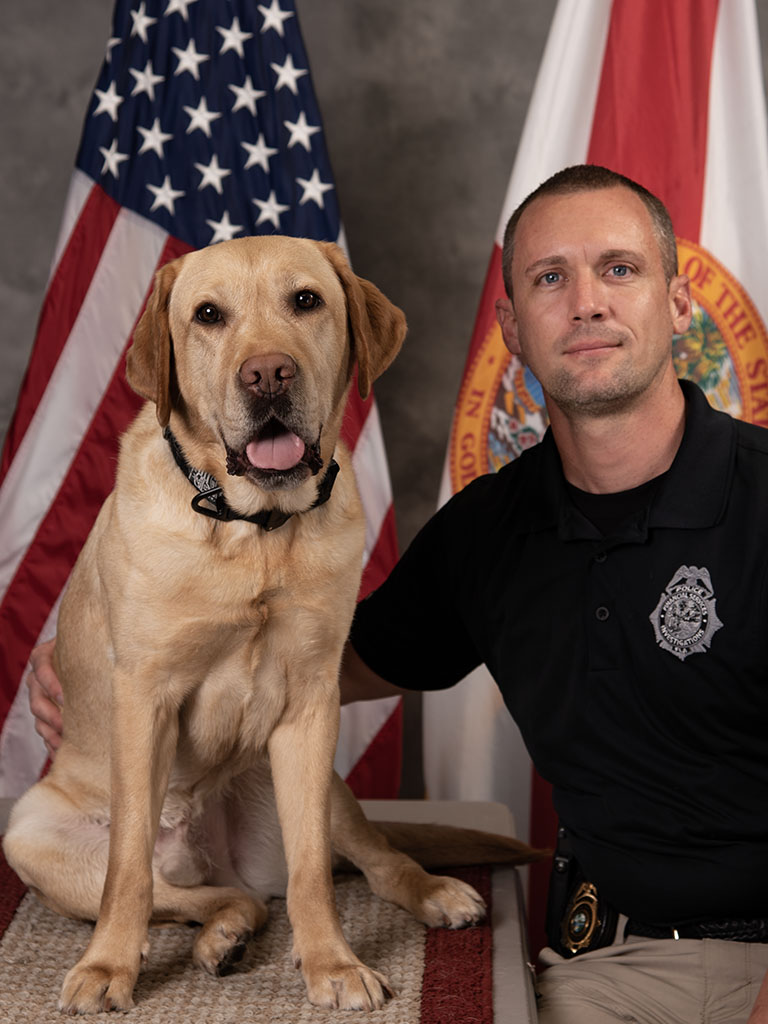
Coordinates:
[671,95]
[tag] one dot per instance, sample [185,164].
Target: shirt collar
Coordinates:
[693,494]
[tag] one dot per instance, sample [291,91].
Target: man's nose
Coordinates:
[587,299]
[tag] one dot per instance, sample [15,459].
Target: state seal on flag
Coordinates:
[500,409]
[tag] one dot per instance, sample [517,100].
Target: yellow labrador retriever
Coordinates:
[201,634]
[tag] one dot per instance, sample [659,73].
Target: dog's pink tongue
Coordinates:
[281,452]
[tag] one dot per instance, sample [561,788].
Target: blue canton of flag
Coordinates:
[205,121]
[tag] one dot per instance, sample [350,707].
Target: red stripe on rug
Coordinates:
[376,776]
[650,119]
[48,562]
[63,300]
[458,965]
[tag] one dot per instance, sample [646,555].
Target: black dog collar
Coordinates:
[217,508]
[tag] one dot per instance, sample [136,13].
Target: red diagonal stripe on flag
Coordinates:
[650,119]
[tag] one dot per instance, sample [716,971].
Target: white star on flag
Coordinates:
[165,195]
[154,138]
[223,230]
[112,159]
[141,22]
[314,189]
[146,81]
[274,17]
[258,153]
[112,42]
[212,174]
[201,117]
[287,74]
[233,38]
[109,101]
[270,209]
[246,96]
[301,132]
[189,60]
[179,6]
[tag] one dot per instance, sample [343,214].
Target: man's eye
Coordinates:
[620,270]
[551,277]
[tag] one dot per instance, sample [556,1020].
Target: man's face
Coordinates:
[592,314]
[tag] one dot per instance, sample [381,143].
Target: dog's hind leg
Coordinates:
[58,851]
[62,856]
[228,917]
[435,900]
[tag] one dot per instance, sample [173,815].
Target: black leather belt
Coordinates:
[755,930]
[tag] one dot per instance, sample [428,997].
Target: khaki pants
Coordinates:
[653,981]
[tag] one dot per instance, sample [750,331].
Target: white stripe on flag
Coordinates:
[79,189]
[22,753]
[559,121]
[77,384]
[371,472]
[736,179]
[463,721]
[360,723]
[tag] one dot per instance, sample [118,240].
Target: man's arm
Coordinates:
[358,682]
[45,696]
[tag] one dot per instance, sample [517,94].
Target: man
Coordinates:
[615,581]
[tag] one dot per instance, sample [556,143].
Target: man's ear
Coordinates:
[148,361]
[505,314]
[680,303]
[377,327]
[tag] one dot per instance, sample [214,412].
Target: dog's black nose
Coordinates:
[269,375]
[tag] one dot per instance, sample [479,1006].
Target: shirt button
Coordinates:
[601,556]
[602,613]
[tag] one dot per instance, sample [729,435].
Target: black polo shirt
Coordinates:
[636,665]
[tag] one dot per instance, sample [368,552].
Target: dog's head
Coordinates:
[251,345]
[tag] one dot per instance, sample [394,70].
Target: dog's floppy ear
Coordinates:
[378,327]
[148,361]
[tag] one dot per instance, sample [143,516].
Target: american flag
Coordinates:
[203,126]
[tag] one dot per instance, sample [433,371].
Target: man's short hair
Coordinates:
[592,178]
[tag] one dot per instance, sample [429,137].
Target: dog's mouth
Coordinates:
[276,457]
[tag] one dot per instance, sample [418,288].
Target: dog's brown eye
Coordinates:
[208,314]
[306,299]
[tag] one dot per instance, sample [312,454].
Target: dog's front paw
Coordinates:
[446,902]
[95,987]
[346,986]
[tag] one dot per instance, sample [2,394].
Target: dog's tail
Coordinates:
[440,846]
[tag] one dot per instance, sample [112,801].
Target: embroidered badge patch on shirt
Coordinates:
[684,620]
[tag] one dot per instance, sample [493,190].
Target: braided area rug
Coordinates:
[439,976]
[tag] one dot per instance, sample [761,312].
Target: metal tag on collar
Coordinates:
[215,496]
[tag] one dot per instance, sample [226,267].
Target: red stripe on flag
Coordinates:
[63,301]
[376,776]
[650,119]
[543,835]
[383,557]
[48,562]
[355,415]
